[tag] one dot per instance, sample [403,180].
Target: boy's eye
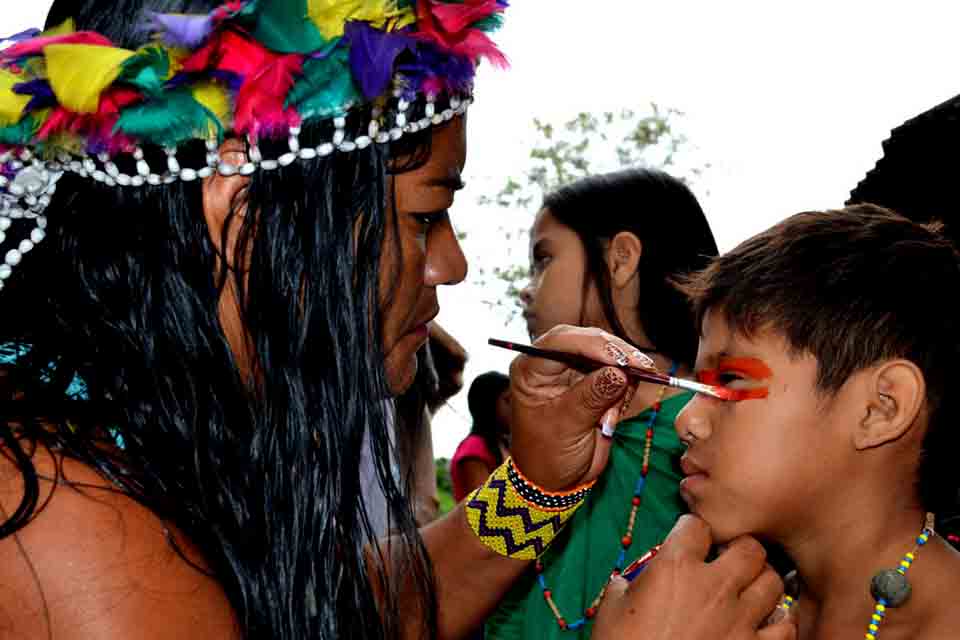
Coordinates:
[726,377]
[718,378]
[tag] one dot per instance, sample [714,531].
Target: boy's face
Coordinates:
[759,466]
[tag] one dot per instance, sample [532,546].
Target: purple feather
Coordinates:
[41,92]
[184,31]
[23,35]
[373,54]
[431,67]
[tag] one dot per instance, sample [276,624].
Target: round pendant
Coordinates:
[892,586]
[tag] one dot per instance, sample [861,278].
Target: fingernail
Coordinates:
[617,354]
[608,425]
[645,360]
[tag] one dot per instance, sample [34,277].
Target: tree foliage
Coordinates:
[585,145]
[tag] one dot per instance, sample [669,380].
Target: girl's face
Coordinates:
[420,252]
[556,292]
[764,466]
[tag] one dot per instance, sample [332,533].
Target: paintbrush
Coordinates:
[588,365]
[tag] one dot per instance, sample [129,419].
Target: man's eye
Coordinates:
[427,220]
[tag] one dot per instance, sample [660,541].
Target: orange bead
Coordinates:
[562,623]
[636,501]
[591,612]
[626,541]
[547,594]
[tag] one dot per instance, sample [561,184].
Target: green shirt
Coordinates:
[579,561]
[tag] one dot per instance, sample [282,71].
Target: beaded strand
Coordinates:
[879,591]
[625,542]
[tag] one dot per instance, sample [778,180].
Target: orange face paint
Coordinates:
[753,368]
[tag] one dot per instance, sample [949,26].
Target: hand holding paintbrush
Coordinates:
[588,365]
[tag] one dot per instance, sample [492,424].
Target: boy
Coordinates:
[837,323]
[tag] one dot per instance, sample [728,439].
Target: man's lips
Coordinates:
[420,328]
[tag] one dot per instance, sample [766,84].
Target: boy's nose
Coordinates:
[693,422]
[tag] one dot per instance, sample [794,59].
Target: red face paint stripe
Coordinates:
[750,367]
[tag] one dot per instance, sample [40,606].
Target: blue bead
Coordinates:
[641,481]
[543,583]
[573,626]
[621,558]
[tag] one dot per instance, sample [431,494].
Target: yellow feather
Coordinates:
[62,29]
[215,98]
[329,16]
[79,73]
[11,104]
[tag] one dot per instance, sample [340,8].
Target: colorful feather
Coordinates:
[12,103]
[147,70]
[36,46]
[39,92]
[79,73]
[261,108]
[331,17]
[373,54]
[179,30]
[96,128]
[20,133]
[215,99]
[326,87]
[282,26]
[167,121]
[452,27]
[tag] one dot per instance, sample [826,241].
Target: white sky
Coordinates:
[788,101]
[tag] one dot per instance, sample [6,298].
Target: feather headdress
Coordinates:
[72,101]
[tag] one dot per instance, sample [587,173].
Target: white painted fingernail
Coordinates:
[609,423]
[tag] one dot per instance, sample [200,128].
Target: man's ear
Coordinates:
[220,199]
[623,256]
[894,395]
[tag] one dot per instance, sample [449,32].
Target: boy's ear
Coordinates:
[895,394]
[623,256]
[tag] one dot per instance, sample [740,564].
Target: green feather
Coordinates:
[20,133]
[168,120]
[326,87]
[491,23]
[282,26]
[147,70]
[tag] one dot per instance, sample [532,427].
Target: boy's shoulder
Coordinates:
[940,584]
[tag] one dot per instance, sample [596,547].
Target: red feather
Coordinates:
[35,46]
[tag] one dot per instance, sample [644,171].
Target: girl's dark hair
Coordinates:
[665,215]
[263,479]
[482,402]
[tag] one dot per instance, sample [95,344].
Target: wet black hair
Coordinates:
[262,476]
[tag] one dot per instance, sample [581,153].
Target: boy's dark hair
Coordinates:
[853,287]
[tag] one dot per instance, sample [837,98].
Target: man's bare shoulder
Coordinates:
[96,564]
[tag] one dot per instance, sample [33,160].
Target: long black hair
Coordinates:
[482,398]
[262,477]
[661,211]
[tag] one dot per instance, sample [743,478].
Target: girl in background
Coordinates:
[485,448]
[603,253]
